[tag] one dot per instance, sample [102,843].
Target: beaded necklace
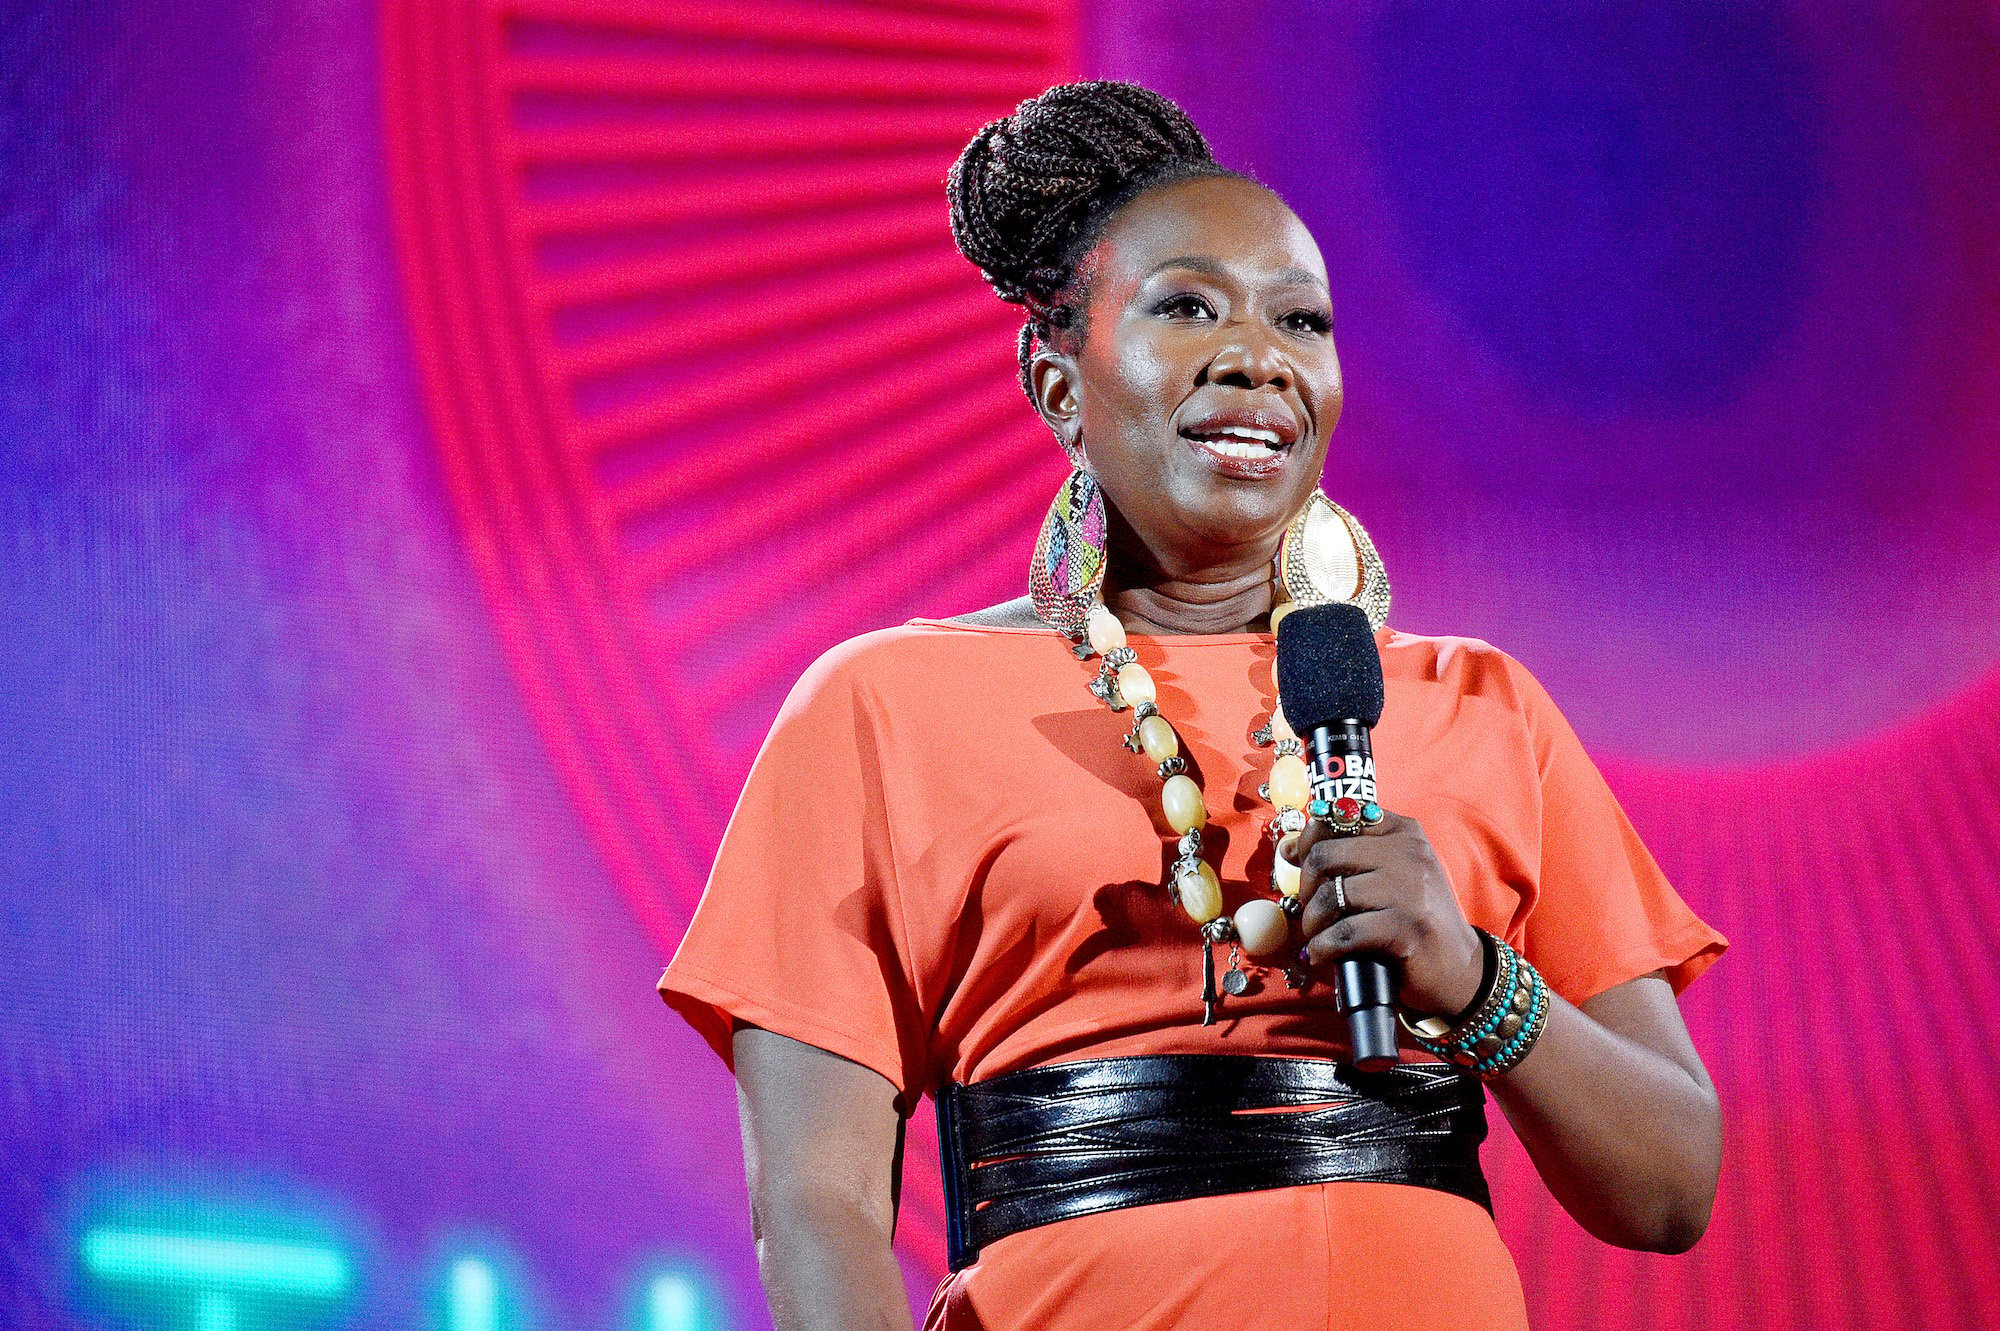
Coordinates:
[1260,926]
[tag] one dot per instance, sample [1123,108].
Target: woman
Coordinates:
[946,868]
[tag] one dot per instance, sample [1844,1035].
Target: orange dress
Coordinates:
[945,866]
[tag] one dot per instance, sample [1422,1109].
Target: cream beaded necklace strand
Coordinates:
[1260,926]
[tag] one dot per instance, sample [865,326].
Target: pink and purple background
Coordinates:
[437,435]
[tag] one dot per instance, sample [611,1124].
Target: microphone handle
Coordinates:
[1342,767]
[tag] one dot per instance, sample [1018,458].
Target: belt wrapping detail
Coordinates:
[1034,1147]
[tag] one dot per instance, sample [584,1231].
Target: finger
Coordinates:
[1302,844]
[1381,931]
[1365,891]
[1319,830]
[1349,856]
[1326,903]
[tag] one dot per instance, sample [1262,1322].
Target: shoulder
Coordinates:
[922,655]
[1472,687]
[1441,658]
[1463,668]
[912,686]
[878,656]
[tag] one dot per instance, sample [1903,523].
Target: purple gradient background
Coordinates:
[272,795]
[1669,335]
[1695,412]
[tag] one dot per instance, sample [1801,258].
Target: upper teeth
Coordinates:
[1237,448]
[1241,441]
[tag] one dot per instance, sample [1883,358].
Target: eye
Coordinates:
[1308,321]
[1184,305]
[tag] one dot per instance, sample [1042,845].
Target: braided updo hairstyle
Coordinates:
[1032,191]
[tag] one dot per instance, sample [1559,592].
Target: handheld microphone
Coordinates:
[1330,686]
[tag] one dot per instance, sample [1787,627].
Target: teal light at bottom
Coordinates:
[226,1270]
[678,1299]
[472,1296]
[219,1272]
[239,1265]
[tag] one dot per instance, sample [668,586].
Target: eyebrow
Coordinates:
[1196,263]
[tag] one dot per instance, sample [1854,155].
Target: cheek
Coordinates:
[1140,367]
[1125,390]
[1324,394]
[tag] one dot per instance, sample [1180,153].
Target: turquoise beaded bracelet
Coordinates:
[1504,1023]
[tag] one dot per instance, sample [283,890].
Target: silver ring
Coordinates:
[1340,894]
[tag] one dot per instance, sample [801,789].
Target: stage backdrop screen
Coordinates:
[436,435]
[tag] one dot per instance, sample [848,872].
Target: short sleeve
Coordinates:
[1603,913]
[800,929]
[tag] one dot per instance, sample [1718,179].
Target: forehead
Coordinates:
[1237,224]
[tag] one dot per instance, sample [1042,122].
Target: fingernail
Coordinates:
[1305,956]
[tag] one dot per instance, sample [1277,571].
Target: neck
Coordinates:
[1225,595]
[1183,607]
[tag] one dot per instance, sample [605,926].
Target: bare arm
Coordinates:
[822,1149]
[1620,1118]
[1612,1103]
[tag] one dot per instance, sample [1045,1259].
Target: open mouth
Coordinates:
[1244,450]
[1244,442]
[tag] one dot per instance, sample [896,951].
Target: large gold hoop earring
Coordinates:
[1067,576]
[1326,555]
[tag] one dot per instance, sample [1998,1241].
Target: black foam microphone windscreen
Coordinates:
[1328,667]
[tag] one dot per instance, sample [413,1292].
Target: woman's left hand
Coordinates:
[1399,903]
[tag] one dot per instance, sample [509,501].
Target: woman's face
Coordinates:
[1206,383]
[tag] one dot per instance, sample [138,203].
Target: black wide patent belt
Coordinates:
[1046,1144]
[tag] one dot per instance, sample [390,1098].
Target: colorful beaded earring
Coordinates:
[1067,576]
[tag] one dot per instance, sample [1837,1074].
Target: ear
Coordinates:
[1054,378]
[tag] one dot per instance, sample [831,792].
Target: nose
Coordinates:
[1246,359]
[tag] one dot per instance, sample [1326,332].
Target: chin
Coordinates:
[1242,514]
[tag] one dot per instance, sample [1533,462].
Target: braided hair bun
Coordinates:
[1031,192]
